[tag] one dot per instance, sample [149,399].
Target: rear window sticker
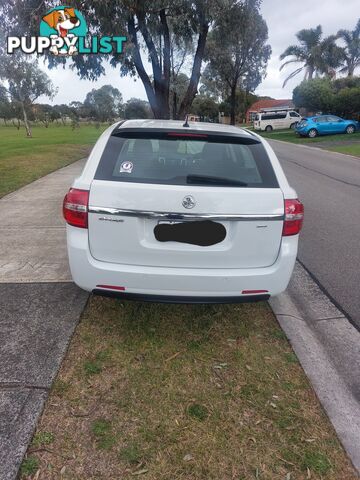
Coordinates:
[126,167]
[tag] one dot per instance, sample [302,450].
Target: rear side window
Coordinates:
[273,116]
[181,161]
[320,120]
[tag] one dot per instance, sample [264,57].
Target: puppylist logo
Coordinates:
[63,32]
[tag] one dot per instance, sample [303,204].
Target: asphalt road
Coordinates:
[329,186]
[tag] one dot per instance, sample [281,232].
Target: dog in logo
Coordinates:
[62,21]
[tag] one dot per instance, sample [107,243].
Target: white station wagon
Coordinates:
[172,212]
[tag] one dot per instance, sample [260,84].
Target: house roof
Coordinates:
[260,104]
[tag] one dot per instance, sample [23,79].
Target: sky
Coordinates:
[284,18]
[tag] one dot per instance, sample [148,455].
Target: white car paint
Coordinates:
[267,120]
[122,252]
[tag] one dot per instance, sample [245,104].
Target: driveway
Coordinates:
[39,307]
[329,185]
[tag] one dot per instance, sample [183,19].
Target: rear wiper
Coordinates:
[207,179]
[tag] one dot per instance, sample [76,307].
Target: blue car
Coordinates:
[325,125]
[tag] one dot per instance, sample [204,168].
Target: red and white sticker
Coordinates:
[126,167]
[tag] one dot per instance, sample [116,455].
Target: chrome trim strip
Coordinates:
[183,216]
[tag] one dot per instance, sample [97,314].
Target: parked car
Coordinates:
[270,121]
[325,125]
[197,214]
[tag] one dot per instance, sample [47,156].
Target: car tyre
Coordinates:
[294,125]
[350,129]
[268,128]
[312,133]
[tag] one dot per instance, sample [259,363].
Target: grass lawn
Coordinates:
[23,160]
[183,393]
[290,136]
[348,149]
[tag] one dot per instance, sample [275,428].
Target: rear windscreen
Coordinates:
[199,160]
[273,116]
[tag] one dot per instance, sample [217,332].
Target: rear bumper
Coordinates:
[178,285]
[302,131]
[179,299]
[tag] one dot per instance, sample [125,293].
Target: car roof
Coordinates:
[324,115]
[179,125]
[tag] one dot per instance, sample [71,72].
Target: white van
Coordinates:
[268,121]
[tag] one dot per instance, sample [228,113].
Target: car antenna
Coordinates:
[186,123]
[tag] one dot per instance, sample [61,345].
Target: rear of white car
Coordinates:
[170,213]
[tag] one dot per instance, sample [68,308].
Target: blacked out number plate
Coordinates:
[203,233]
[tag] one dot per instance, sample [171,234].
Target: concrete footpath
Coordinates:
[32,240]
[39,307]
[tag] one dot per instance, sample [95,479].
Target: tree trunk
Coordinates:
[141,70]
[158,90]
[310,73]
[244,119]
[26,121]
[166,64]
[233,105]
[159,94]
[195,74]
[174,108]
[351,70]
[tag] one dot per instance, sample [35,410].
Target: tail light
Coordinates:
[294,216]
[75,207]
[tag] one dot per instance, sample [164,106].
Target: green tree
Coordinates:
[351,39]
[137,108]
[104,103]
[315,95]
[317,55]
[5,105]
[44,113]
[178,87]
[243,102]
[237,50]
[205,107]
[25,82]
[346,82]
[340,97]
[347,97]
[145,23]
[347,103]
[212,86]
[63,111]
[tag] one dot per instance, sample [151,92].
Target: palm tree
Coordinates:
[317,55]
[351,50]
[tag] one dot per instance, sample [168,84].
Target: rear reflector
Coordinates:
[111,287]
[75,207]
[294,216]
[254,292]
